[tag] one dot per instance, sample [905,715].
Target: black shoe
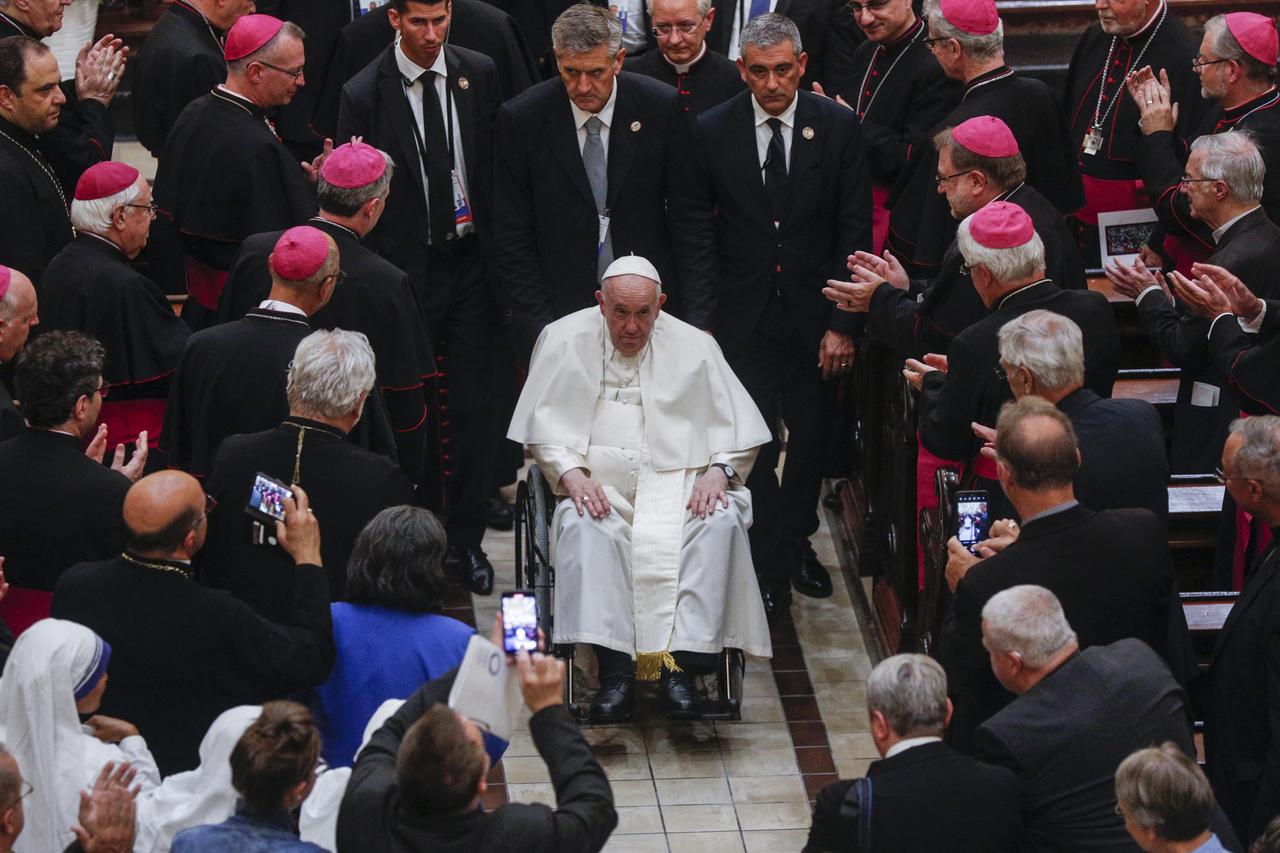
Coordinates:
[777,605]
[681,698]
[614,700]
[476,570]
[809,577]
[498,514]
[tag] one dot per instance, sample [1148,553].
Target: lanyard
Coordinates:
[448,112]
[1274,97]
[862,111]
[1100,117]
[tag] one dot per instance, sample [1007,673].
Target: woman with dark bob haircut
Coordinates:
[389,634]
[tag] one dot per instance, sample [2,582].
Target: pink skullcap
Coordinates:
[4,280]
[248,34]
[1256,34]
[105,179]
[299,253]
[975,17]
[986,136]
[1001,225]
[353,165]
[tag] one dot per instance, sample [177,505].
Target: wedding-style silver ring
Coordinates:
[111,75]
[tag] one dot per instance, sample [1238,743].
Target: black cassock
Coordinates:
[85,133]
[375,298]
[931,312]
[223,176]
[1162,159]
[180,60]
[232,379]
[709,82]
[900,93]
[346,485]
[11,421]
[1111,178]
[475,25]
[90,287]
[34,223]
[920,222]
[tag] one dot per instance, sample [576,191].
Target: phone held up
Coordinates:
[266,500]
[972,519]
[519,621]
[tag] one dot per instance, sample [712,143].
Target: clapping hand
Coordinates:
[1244,304]
[1202,297]
[312,169]
[1154,98]
[915,370]
[99,67]
[1132,280]
[106,819]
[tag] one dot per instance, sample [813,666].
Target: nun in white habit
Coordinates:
[57,670]
[637,421]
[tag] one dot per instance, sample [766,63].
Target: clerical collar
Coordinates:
[329,223]
[1239,113]
[1008,194]
[684,68]
[103,240]
[605,115]
[904,39]
[274,316]
[411,70]
[1157,15]
[983,79]
[222,93]
[1221,230]
[788,116]
[280,307]
[156,564]
[19,26]
[1023,289]
[180,7]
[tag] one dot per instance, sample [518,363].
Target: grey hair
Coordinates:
[582,28]
[10,783]
[1162,788]
[95,216]
[1226,46]
[1233,158]
[9,302]
[1028,620]
[1003,172]
[1050,346]
[1006,265]
[976,47]
[330,373]
[1259,457]
[771,30]
[347,201]
[911,691]
[289,30]
[704,6]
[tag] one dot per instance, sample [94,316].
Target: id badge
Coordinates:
[1093,141]
[461,208]
[604,231]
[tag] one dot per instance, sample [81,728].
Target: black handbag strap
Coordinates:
[855,812]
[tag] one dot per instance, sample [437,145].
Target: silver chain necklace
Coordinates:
[862,88]
[44,167]
[1099,117]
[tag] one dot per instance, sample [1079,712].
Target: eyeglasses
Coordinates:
[1222,476]
[210,504]
[942,179]
[149,208]
[662,31]
[873,6]
[25,791]
[1198,63]
[339,277]
[930,42]
[102,390]
[1187,179]
[294,74]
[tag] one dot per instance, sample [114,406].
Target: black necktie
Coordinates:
[775,170]
[439,164]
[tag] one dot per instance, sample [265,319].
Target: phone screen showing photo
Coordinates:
[972,520]
[519,622]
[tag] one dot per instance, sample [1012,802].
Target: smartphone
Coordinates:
[972,519]
[266,499]
[519,621]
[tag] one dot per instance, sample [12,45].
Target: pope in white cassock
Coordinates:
[647,435]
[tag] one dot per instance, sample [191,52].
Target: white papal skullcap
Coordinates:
[633,265]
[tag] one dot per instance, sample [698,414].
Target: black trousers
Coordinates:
[781,374]
[461,317]
[619,664]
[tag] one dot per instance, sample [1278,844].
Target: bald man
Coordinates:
[17,316]
[184,653]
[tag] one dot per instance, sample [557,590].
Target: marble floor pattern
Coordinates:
[722,786]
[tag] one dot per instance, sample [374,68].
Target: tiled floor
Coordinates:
[725,786]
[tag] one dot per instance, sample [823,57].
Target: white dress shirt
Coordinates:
[634,36]
[410,70]
[743,6]
[908,743]
[764,133]
[1222,229]
[605,115]
[280,307]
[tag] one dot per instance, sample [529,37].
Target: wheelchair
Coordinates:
[720,692]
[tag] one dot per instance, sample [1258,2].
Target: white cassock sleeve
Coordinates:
[555,460]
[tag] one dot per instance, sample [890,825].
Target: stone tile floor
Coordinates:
[724,786]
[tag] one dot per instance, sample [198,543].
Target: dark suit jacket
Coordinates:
[1118,435]
[1242,722]
[972,389]
[57,508]
[827,33]
[371,818]
[1065,737]
[182,653]
[11,421]
[374,106]
[970,807]
[743,258]
[1112,572]
[545,221]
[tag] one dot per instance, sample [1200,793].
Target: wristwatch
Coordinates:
[726,468]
